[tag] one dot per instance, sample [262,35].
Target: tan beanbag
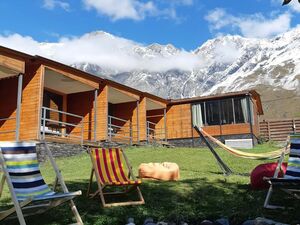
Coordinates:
[160,171]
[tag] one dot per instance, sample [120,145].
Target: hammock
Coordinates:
[247,155]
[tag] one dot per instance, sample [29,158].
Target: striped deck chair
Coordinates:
[29,192]
[112,168]
[290,183]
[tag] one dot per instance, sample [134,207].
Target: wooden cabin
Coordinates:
[226,116]
[12,84]
[44,99]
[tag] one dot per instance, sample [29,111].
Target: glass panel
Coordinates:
[212,113]
[240,109]
[226,111]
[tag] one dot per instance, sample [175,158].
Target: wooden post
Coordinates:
[250,118]
[19,103]
[137,121]
[165,123]
[95,115]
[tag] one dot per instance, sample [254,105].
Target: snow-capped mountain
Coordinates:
[226,64]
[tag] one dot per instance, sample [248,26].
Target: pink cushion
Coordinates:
[265,170]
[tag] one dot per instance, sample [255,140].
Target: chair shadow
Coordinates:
[191,200]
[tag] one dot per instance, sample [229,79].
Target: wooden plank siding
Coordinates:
[81,104]
[157,116]
[32,102]
[8,106]
[126,111]
[179,124]
[278,130]
[179,121]
[102,113]
[143,119]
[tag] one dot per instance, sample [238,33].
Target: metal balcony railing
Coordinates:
[59,128]
[155,133]
[119,132]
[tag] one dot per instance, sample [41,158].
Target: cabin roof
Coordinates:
[15,54]
[103,81]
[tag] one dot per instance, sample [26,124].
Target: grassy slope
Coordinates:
[202,193]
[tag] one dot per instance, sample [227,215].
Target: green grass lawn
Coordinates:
[202,192]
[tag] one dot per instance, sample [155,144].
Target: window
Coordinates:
[226,111]
[212,113]
[240,110]
[219,112]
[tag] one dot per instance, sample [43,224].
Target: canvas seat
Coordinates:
[112,168]
[290,183]
[29,192]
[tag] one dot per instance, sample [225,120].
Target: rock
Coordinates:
[249,222]
[162,223]
[130,221]
[264,221]
[222,221]
[149,221]
[206,222]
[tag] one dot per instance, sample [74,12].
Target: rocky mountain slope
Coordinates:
[228,63]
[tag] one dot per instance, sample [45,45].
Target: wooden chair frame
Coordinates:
[43,203]
[288,188]
[101,187]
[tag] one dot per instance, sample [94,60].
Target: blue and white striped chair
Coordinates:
[290,183]
[29,192]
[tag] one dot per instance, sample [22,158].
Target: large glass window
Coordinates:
[212,113]
[240,110]
[226,111]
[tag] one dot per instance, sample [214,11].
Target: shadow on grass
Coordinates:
[190,200]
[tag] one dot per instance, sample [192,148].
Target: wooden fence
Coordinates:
[278,130]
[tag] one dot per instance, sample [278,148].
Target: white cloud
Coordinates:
[122,9]
[52,4]
[255,25]
[105,50]
[227,52]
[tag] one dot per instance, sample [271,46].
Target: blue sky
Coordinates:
[184,23]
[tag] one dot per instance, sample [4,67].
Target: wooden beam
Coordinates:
[14,64]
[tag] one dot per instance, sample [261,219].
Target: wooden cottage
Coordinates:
[44,99]
[226,116]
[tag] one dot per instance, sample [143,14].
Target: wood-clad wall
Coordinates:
[81,104]
[179,124]
[157,116]
[126,111]
[102,113]
[31,102]
[8,105]
[143,119]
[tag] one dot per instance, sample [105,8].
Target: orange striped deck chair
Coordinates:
[111,168]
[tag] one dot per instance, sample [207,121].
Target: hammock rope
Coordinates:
[247,155]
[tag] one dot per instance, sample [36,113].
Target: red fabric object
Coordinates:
[265,170]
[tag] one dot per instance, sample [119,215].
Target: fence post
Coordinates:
[269,131]
[294,126]
[82,131]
